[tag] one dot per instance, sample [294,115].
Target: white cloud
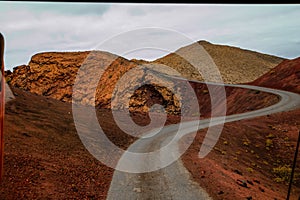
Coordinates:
[30,27]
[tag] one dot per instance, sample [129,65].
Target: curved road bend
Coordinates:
[174,181]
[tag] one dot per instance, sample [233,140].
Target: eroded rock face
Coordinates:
[96,75]
[140,89]
[48,74]
[106,80]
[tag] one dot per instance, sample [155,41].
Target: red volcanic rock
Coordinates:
[106,78]
[48,74]
[285,76]
[53,74]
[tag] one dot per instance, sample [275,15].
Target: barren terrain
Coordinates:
[44,156]
[254,157]
[243,164]
[235,65]
[45,159]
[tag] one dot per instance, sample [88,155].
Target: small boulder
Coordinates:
[242,183]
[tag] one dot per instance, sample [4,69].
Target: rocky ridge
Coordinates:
[53,74]
[110,81]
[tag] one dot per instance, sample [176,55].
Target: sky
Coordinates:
[33,27]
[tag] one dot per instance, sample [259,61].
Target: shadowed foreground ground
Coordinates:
[44,157]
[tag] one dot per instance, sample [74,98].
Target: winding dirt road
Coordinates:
[174,181]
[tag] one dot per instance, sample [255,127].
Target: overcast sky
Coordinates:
[32,27]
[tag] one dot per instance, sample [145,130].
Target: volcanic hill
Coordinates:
[54,74]
[44,157]
[236,65]
[253,158]
[285,76]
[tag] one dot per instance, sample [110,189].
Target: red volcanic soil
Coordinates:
[285,76]
[44,157]
[238,100]
[252,159]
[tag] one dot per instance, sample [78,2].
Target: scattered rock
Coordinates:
[220,192]
[91,197]
[138,190]
[74,189]
[26,134]
[202,174]
[238,172]
[261,189]
[256,181]
[250,182]
[242,183]
[249,198]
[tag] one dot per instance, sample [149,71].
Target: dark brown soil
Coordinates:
[248,151]
[44,157]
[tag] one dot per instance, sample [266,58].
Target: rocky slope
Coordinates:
[285,76]
[54,74]
[48,74]
[49,158]
[235,65]
[110,81]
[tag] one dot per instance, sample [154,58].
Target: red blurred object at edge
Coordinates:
[2,103]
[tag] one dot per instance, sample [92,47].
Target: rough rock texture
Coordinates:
[48,74]
[54,75]
[155,89]
[235,65]
[110,81]
[285,76]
